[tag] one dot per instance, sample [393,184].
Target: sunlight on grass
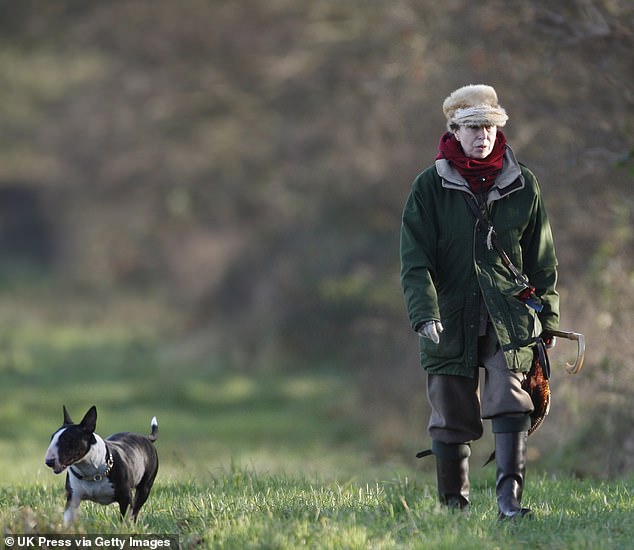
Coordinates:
[209,417]
[237,388]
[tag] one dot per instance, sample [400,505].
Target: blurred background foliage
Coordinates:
[245,163]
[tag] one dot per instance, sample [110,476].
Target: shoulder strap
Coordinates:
[480,212]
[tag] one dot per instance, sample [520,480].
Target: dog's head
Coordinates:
[72,441]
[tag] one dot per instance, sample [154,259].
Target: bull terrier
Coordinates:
[103,470]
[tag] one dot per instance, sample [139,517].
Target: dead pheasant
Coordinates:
[537,386]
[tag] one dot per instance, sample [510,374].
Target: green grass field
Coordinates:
[240,508]
[248,460]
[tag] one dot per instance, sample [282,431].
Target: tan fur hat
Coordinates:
[474,105]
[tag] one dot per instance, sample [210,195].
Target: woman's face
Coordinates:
[477,143]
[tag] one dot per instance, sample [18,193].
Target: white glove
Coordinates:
[431,330]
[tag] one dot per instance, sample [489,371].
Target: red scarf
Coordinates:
[480,174]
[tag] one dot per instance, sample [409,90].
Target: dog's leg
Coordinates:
[141,495]
[70,515]
[72,505]
[124,503]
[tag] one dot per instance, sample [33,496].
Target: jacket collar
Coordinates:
[508,181]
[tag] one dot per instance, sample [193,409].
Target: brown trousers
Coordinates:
[457,408]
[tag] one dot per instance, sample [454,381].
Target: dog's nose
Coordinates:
[50,462]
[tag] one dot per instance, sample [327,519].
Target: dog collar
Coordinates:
[99,475]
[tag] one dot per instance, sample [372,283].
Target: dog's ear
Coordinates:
[89,422]
[67,419]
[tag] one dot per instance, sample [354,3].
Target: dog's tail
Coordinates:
[154,433]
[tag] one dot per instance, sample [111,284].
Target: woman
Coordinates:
[471,308]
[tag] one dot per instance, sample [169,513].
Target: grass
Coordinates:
[241,508]
[248,460]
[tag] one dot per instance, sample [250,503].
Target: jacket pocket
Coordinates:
[523,321]
[451,345]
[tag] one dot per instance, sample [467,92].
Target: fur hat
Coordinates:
[474,105]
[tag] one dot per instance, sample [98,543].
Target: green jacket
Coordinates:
[447,270]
